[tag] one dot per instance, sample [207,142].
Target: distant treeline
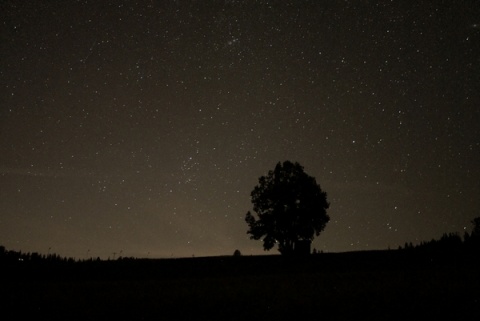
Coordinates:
[448,242]
[18,256]
[451,241]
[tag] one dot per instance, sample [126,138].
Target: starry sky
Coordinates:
[139,128]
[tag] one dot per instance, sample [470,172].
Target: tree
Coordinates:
[476,227]
[291,209]
[474,238]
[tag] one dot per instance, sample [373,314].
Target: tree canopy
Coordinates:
[290,206]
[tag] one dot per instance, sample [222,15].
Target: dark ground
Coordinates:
[380,285]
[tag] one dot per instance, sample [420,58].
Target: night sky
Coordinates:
[140,127]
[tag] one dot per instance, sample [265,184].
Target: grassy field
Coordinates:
[382,285]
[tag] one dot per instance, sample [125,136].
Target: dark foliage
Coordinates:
[452,241]
[472,240]
[291,209]
[9,256]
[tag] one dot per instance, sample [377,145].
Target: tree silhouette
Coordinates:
[476,227]
[473,240]
[291,209]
